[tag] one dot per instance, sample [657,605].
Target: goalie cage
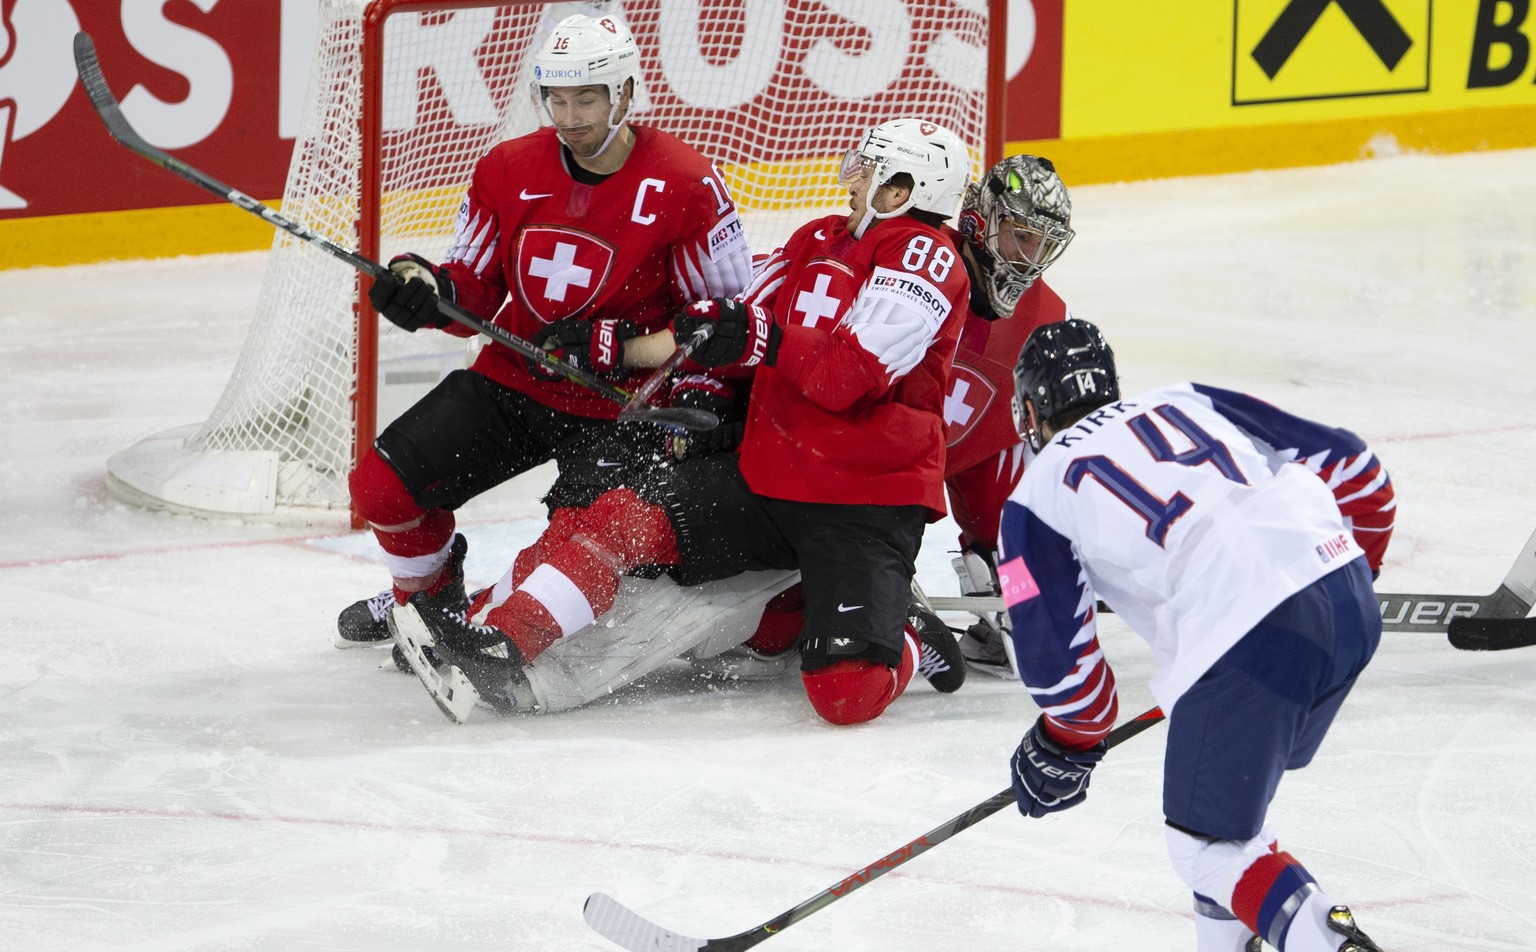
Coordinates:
[406,95]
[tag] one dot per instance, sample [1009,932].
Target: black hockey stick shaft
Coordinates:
[120,129]
[625,928]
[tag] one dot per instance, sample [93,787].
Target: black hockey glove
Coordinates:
[1046,778]
[699,392]
[594,346]
[744,336]
[408,295]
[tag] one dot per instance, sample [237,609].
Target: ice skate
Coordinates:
[366,622]
[941,662]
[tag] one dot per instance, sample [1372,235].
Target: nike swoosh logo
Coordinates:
[848,608]
[528,198]
[603,462]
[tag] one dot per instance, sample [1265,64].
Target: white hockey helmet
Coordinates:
[589,51]
[935,158]
[1018,221]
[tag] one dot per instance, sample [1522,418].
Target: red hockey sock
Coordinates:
[405,531]
[577,577]
[526,623]
[562,524]
[783,617]
[1269,893]
[854,690]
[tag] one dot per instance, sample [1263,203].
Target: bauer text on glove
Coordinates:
[594,346]
[744,336]
[1047,778]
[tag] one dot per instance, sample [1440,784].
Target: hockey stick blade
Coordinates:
[111,113]
[1492,634]
[1499,622]
[628,929]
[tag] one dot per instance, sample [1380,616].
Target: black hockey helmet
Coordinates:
[1064,366]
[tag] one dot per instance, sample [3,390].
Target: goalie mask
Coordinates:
[1018,221]
[934,157]
[589,51]
[1064,366]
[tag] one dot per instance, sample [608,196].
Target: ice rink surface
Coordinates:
[187,763]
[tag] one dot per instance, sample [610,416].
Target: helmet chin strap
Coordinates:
[870,215]
[615,123]
[613,131]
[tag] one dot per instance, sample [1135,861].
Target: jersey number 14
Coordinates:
[1159,514]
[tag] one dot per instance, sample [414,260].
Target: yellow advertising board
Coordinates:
[1218,85]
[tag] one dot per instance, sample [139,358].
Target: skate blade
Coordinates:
[448,687]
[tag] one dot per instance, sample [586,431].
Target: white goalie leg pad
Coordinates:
[652,621]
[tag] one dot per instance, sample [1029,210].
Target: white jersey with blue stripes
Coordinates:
[1191,511]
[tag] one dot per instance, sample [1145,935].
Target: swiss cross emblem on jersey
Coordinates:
[821,294]
[560,271]
[970,394]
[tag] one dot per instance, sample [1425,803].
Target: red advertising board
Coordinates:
[220,85]
[201,83]
[1034,70]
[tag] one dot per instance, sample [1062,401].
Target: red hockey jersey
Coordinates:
[852,410]
[986,454]
[979,411]
[533,246]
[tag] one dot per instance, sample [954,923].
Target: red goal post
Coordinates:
[404,97]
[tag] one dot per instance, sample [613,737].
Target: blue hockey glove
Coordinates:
[1046,778]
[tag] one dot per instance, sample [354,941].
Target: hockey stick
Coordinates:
[118,127]
[1492,634]
[1475,622]
[628,929]
[639,403]
[1500,623]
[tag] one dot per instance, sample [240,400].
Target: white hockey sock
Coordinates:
[1217,930]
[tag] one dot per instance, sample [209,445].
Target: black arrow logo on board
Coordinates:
[1386,37]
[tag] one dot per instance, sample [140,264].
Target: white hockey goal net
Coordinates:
[405,96]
